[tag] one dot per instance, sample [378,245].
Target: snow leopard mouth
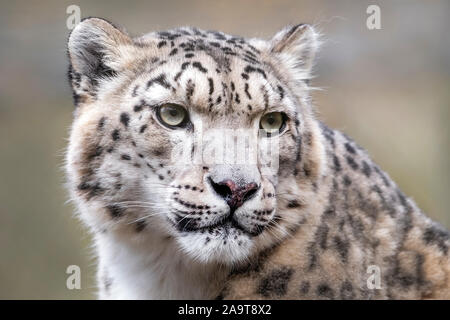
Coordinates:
[226,224]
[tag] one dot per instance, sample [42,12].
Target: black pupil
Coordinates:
[271,120]
[173,112]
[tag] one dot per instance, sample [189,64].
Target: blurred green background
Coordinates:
[388,89]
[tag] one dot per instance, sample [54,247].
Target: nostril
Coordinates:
[221,189]
[250,191]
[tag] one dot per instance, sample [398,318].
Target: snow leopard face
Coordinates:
[193,135]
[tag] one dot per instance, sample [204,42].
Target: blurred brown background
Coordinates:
[388,89]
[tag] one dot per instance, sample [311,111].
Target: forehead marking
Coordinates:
[199,66]
[161,80]
[265,94]
[219,47]
[190,87]
[180,73]
[281,91]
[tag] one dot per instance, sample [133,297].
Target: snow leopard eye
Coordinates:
[273,123]
[172,115]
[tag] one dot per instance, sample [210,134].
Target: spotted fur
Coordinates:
[313,225]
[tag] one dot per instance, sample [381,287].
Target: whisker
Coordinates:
[142,218]
[189,214]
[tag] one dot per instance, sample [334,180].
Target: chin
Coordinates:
[223,244]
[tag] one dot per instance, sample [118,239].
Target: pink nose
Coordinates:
[234,194]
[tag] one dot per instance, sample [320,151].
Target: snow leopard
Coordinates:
[159,122]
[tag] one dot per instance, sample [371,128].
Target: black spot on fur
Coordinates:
[139,107]
[135,89]
[369,207]
[161,80]
[382,176]
[351,162]
[125,157]
[96,152]
[336,163]
[115,134]
[162,44]
[190,87]
[366,169]
[246,91]
[214,44]
[275,284]
[125,119]
[387,205]
[406,219]
[90,190]
[115,211]
[329,134]
[185,65]
[211,86]
[324,290]
[199,66]
[346,180]
[143,128]
[342,247]
[250,69]
[265,96]
[322,235]
[437,235]
[349,148]
[281,92]
[237,99]
[293,204]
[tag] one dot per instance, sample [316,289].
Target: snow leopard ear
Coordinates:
[296,47]
[96,50]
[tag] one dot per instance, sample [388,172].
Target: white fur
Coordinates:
[155,269]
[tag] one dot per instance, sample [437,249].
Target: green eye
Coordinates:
[272,123]
[172,115]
